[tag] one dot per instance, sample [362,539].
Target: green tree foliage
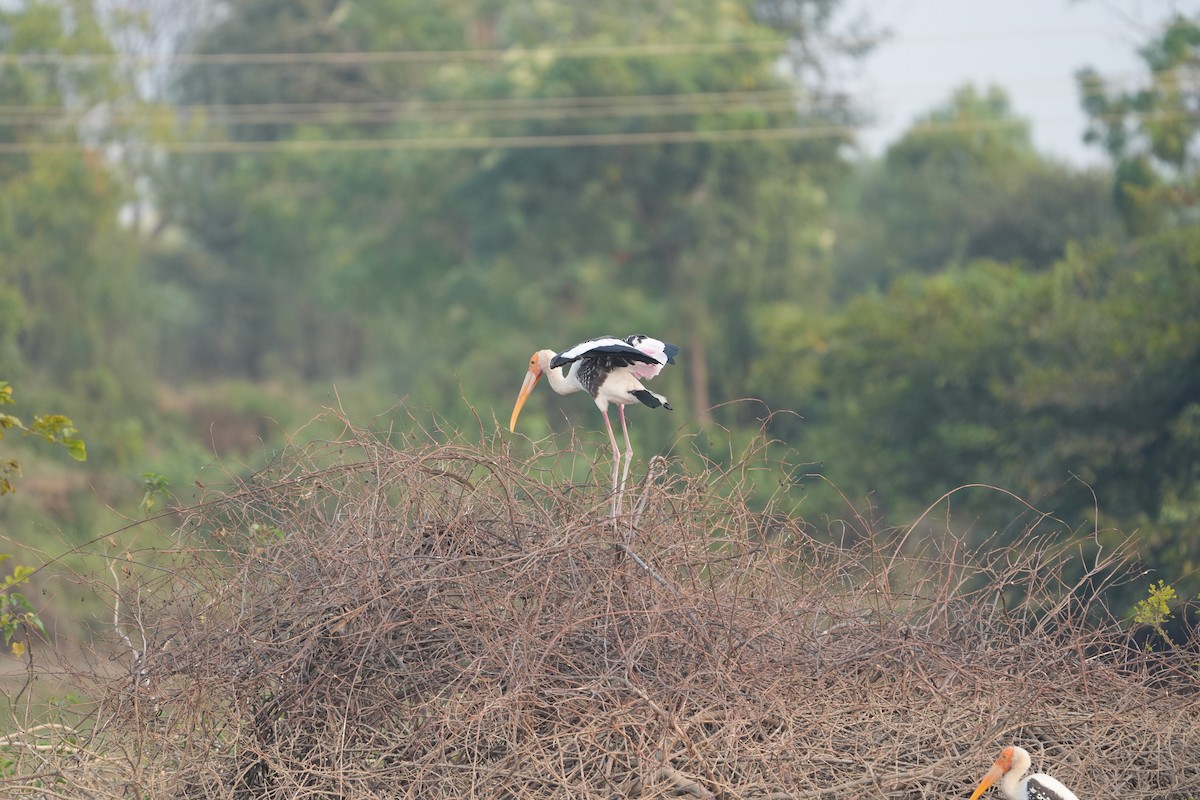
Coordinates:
[68,296]
[54,428]
[318,266]
[283,256]
[962,310]
[965,182]
[16,612]
[73,311]
[702,232]
[991,374]
[1056,384]
[1049,207]
[1151,132]
[1155,610]
[1055,359]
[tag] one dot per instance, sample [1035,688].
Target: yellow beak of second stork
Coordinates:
[611,370]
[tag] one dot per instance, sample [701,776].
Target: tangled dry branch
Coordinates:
[442,620]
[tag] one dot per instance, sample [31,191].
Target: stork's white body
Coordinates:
[1013,763]
[611,370]
[1038,786]
[620,385]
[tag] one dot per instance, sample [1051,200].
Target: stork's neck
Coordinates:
[561,384]
[1010,784]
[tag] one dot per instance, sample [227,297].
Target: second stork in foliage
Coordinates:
[611,370]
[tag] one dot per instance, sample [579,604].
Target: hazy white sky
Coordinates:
[1031,48]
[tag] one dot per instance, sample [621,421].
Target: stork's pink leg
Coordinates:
[612,438]
[628,450]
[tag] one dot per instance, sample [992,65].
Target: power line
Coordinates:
[473,103]
[399,114]
[471,110]
[479,109]
[511,53]
[458,143]
[402,56]
[794,133]
[444,110]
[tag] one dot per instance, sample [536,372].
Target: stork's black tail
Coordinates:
[651,399]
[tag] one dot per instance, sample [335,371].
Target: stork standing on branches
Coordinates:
[1008,769]
[611,370]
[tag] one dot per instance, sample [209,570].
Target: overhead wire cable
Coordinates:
[308,146]
[355,57]
[420,109]
[437,111]
[640,50]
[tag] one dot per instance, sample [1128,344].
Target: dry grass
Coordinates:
[443,620]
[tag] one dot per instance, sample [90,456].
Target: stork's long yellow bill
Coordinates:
[996,772]
[531,379]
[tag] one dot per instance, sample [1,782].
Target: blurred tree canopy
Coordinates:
[965,182]
[66,294]
[1151,132]
[1064,367]
[73,306]
[320,267]
[404,199]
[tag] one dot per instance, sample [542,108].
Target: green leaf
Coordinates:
[51,427]
[36,621]
[77,449]
[18,600]
[155,485]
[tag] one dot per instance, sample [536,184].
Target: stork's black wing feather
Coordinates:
[617,352]
[669,350]
[1043,787]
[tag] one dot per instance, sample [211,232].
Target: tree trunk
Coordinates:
[697,370]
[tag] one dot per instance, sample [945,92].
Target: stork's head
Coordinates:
[1011,758]
[539,362]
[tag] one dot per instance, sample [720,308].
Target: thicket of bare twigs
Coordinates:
[444,620]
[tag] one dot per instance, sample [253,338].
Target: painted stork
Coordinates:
[1008,769]
[611,370]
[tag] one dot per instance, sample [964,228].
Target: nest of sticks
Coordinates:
[444,620]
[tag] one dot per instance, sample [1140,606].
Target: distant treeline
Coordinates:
[403,200]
